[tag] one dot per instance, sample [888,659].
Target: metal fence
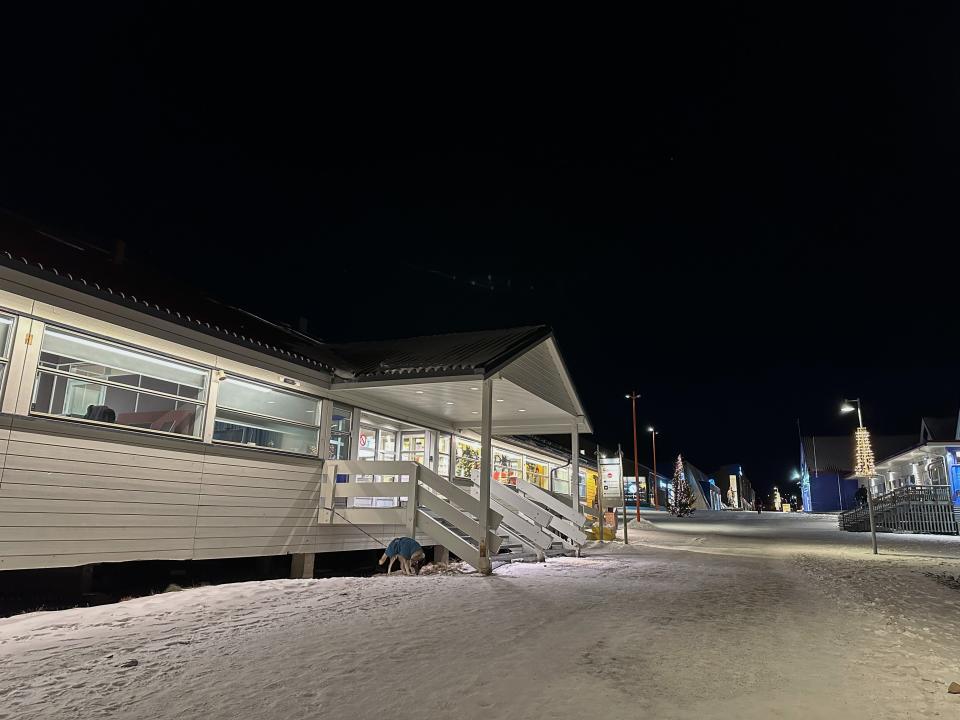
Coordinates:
[925,509]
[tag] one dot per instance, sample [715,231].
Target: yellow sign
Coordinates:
[590,497]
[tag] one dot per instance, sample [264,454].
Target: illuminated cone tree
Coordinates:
[863,463]
[681,502]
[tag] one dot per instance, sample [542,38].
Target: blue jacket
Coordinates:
[405,547]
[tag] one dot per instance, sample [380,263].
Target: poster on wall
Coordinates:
[610,471]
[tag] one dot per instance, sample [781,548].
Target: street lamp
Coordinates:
[863,461]
[632,397]
[848,407]
[653,438]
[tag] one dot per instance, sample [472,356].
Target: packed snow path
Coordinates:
[719,616]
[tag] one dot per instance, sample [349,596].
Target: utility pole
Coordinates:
[636,463]
[623,491]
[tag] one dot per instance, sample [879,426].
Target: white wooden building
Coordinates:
[132,431]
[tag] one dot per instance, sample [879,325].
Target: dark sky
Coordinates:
[745,214]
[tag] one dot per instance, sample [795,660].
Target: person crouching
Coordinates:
[409,553]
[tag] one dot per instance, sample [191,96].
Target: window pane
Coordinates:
[506,467]
[6,332]
[341,419]
[468,460]
[443,444]
[263,400]
[87,400]
[98,360]
[339,447]
[263,432]
[443,466]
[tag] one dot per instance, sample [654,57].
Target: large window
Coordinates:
[561,480]
[443,456]
[84,378]
[340,433]
[536,473]
[467,461]
[506,467]
[6,340]
[249,413]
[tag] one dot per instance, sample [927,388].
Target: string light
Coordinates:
[864,464]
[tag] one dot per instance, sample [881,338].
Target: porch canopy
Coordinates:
[437,381]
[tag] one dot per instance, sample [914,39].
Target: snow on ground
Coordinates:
[725,615]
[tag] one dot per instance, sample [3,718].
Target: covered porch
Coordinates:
[454,402]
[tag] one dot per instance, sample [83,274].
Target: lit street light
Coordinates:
[848,407]
[863,461]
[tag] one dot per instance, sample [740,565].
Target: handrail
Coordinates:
[426,492]
[925,509]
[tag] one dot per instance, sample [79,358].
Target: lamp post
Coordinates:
[847,407]
[656,490]
[632,397]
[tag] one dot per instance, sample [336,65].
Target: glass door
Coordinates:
[413,446]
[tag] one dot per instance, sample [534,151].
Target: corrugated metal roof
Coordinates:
[88,269]
[472,352]
[77,265]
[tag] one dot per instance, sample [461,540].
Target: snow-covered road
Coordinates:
[720,616]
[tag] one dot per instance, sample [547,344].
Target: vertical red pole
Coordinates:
[636,462]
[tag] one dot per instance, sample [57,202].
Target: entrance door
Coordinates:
[955,484]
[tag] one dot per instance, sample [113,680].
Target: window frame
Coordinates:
[38,369]
[349,411]
[260,448]
[6,351]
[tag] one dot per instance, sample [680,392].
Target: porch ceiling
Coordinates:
[456,404]
[918,454]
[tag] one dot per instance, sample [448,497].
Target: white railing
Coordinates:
[434,505]
[564,520]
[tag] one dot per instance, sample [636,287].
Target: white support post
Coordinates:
[575,469]
[413,500]
[486,451]
[301,566]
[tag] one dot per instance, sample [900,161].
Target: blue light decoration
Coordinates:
[805,481]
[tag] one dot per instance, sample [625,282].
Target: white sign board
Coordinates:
[610,473]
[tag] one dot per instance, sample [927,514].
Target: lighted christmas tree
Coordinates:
[777,501]
[681,502]
[863,462]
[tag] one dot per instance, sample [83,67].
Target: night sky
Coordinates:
[745,215]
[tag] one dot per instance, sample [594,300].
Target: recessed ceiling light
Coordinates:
[418,392]
[449,402]
[521,410]
[499,400]
[474,388]
[474,412]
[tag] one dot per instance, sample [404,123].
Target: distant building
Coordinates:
[706,495]
[735,488]
[826,464]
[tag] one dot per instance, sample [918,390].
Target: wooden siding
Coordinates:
[72,494]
